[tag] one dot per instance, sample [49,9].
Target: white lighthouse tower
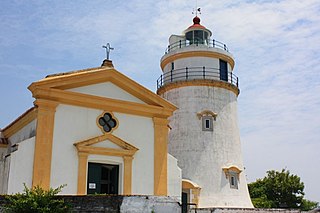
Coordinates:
[198,78]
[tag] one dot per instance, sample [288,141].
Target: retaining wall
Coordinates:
[118,204]
[141,204]
[239,210]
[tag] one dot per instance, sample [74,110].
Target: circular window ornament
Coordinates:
[107,122]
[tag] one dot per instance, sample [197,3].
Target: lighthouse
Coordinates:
[204,135]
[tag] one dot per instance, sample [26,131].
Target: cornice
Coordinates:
[198,82]
[97,102]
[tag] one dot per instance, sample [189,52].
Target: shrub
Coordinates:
[37,200]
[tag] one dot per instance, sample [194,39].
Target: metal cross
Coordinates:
[108,49]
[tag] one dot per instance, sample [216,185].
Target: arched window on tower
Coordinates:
[207,117]
[233,175]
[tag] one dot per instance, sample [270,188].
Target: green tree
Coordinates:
[37,200]
[279,190]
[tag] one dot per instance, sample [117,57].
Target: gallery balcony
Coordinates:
[197,43]
[197,73]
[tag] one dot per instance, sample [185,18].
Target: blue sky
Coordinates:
[276,45]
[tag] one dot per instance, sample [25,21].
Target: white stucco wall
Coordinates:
[139,132]
[174,178]
[107,90]
[175,38]
[28,131]
[74,124]
[21,166]
[193,62]
[202,154]
[4,170]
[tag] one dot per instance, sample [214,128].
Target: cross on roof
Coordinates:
[108,49]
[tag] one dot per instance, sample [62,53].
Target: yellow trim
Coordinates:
[232,168]
[160,156]
[188,54]
[20,123]
[114,139]
[127,180]
[206,113]
[105,151]
[85,148]
[101,127]
[3,145]
[99,75]
[188,184]
[194,190]
[96,102]
[82,173]
[199,82]
[43,144]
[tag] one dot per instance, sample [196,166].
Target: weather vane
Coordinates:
[197,9]
[108,49]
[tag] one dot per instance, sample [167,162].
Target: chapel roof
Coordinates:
[3,131]
[106,72]
[3,140]
[105,64]
[72,72]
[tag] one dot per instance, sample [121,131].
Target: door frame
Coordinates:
[119,182]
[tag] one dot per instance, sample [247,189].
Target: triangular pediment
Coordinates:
[106,144]
[107,90]
[101,76]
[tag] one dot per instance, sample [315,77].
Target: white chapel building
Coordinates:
[99,132]
[96,131]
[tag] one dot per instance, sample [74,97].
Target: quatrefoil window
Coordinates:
[107,122]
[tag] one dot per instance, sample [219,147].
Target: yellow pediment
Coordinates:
[89,146]
[81,78]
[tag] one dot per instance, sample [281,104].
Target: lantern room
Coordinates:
[197,34]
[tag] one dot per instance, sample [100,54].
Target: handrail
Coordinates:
[207,42]
[194,73]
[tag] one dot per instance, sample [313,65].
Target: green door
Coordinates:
[184,205]
[103,178]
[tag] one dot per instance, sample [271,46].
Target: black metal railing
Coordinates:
[196,73]
[209,43]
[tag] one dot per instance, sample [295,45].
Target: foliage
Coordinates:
[308,205]
[36,200]
[279,190]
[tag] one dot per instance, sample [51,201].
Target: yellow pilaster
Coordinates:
[127,181]
[82,173]
[43,145]
[160,155]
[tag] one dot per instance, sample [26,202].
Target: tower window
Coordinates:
[223,70]
[207,124]
[172,65]
[207,117]
[233,175]
[233,181]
